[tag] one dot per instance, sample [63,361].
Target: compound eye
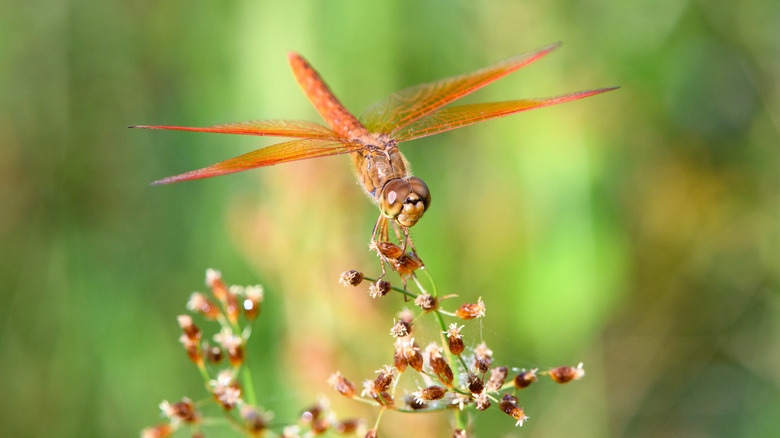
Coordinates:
[421,189]
[394,194]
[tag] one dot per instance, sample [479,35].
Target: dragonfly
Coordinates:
[373,138]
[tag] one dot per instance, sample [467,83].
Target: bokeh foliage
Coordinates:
[635,231]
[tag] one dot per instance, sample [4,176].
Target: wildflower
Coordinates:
[406,316]
[188,327]
[378,289]
[225,390]
[342,385]
[482,401]
[509,406]
[350,278]
[401,329]
[459,433]
[426,302]
[192,347]
[430,393]
[399,358]
[180,411]
[471,310]
[439,366]
[163,430]
[213,353]
[483,357]
[231,343]
[475,384]
[214,281]
[199,303]
[385,378]
[254,296]
[524,379]
[455,339]
[460,400]
[254,420]
[346,426]
[413,355]
[371,434]
[566,374]
[497,379]
[232,309]
[416,403]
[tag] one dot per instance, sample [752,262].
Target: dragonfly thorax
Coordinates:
[404,200]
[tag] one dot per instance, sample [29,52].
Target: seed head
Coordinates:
[524,379]
[483,357]
[253,297]
[439,365]
[180,411]
[254,420]
[567,374]
[459,433]
[342,385]
[214,281]
[188,327]
[413,355]
[471,310]
[233,344]
[371,434]
[192,347]
[232,309]
[455,339]
[350,278]
[346,426]
[431,393]
[378,289]
[199,303]
[509,406]
[162,430]
[401,329]
[426,302]
[385,378]
[497,379]
[226,391]
[475,384]
[399,358]
[482,401]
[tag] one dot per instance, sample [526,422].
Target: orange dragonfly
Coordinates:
[373,138]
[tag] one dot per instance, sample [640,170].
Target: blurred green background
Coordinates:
[635,231]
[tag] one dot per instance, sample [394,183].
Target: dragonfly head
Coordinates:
[404,200]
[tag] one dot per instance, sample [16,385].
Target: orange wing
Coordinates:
[273,128]
[399,110]
[279,153]
[458,116]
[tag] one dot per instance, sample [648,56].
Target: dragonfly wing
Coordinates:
[459,116]
[273,128]
[399,110]
[275,154]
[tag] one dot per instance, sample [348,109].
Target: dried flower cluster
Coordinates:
[229,384]
[447,374]
[455,377]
